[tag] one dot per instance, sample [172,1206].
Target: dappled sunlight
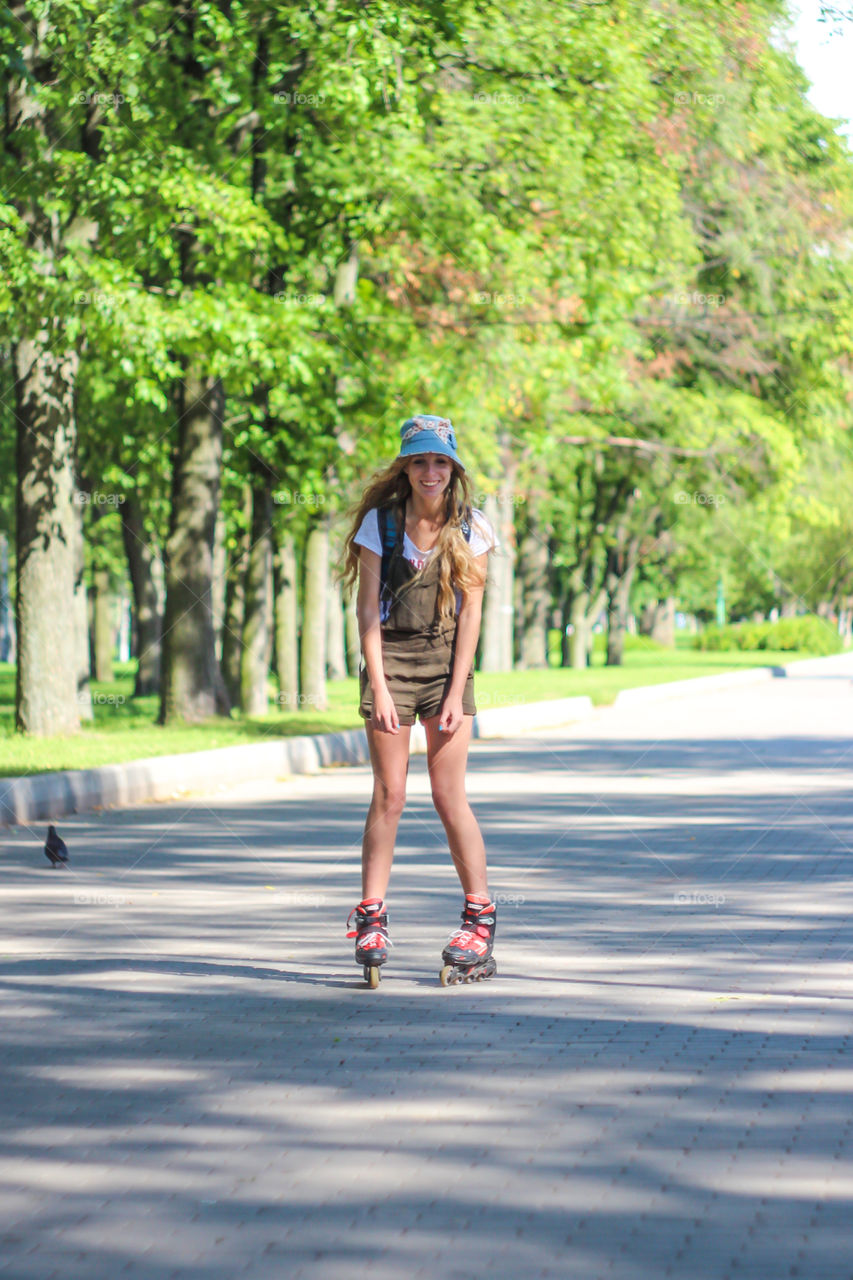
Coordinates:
[661,1052]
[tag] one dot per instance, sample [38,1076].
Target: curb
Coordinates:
[836,662]
[50,795]
[53,795]
[701,684]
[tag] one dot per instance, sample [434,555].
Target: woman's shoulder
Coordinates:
[367,533]
[482,529]
[477,517]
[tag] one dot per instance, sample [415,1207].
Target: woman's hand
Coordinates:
[385,717]
[451,714]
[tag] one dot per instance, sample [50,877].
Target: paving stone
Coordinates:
[197,1084]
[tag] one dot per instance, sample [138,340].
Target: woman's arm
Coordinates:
[467,635]
[367,610]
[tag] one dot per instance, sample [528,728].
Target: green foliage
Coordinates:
[123,728]
[612,241]
[806,634]
[633,644]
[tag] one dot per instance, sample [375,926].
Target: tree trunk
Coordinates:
[517,613]
[235,604]
[845,621]
[499,603]
[578,600]
[82,648]
[491,630]
[658,621]
[565,624]
[257,623]
[220,565]
[7,617]
[533,563]
[579,638]
[353,639]
[145,569]
[45,368]
[124,630]
[336,658]
[315,594]
[192,682]
[664,627]
[102,626]
[621,566]
[583,612]
[46,693]
[286,624]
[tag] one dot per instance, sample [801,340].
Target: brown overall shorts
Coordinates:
[418,648]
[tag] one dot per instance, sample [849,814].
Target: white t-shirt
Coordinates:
[483,538]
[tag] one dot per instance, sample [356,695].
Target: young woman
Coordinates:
[419,629]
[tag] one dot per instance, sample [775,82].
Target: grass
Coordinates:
[124,727]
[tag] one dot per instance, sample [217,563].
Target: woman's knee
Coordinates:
[389,797]
[449,800]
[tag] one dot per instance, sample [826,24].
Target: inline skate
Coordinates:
[468,954]
[371,938]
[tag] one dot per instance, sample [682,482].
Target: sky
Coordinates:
[825,52]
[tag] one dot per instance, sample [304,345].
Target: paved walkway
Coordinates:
[658,1082]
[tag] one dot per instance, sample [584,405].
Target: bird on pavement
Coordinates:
[55,848]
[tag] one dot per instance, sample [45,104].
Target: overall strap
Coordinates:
[388,536]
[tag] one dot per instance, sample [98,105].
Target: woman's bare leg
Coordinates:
[447,759]
[389,755]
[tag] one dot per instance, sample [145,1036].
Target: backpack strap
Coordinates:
[388,533]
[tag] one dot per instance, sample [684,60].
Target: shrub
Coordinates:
[805,634]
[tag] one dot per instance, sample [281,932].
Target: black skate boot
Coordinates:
[468,954]
[371,937]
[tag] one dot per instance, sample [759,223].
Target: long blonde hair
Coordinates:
[457,567]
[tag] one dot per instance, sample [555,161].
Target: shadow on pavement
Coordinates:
[196,1084]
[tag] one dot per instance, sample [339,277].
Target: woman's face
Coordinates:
[429,473]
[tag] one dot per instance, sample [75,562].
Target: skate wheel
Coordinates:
[372,974]
[446,977]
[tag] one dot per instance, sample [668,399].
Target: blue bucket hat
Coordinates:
[426,433]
